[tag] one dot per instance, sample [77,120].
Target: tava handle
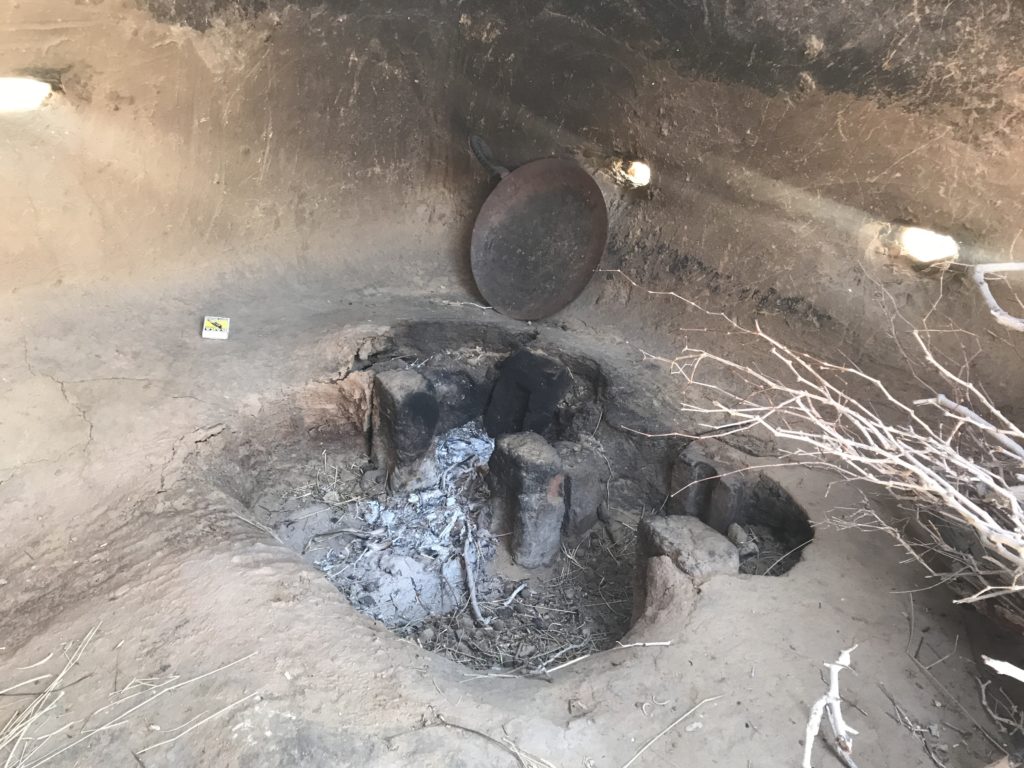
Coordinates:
[483,154]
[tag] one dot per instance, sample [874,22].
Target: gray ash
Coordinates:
[399,560]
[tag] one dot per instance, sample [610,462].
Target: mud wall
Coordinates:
[219,140]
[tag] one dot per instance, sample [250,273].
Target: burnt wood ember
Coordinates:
[526,394]
[459,396]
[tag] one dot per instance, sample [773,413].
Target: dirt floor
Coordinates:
[301,168]
[137,546]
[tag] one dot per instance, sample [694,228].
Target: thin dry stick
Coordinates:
[966,413]
[516,591]
[23,683]
[216,714]
[978,274]
[569,663]
[14,734]
[913,728]
[958,704]
[525,760]
[654,644]
[956,642]
[258,526]
[910,636]
[1010,725]
[618,647]
[668,728]
[470,575]
[120,719]
[37,664]
[783,557]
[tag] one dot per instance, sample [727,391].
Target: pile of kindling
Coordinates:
[953,460]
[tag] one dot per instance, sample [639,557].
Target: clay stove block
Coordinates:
[586,474]
[405,415]
[527,490]
[695,548]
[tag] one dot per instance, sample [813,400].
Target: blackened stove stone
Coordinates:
[405,416]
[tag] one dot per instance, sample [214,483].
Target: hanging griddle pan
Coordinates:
[538,237]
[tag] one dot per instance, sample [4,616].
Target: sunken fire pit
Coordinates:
[488,510]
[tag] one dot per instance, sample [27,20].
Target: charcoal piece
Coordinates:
[526,394]
[459,397]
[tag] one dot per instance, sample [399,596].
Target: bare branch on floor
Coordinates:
[831,703]
[1012,722]
[979,273]
[1004,668]
[955,701]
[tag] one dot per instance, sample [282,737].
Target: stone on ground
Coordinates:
[695,548]
[693,479]
[714,491]
[745,545]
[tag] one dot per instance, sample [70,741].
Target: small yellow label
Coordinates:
[216,327]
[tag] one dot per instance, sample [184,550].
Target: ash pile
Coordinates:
[475,535]
[401,560]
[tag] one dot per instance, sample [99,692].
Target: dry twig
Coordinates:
[919,733]
[193,726]
[953,460]
[525,759]
[979,274]
[831,703]
[16,741]
[668,728]
[467,563]
[21,748]
[1004,668]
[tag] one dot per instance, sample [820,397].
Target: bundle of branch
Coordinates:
[953,461]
